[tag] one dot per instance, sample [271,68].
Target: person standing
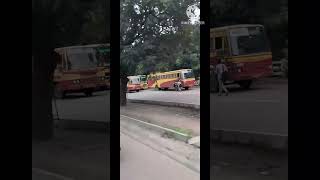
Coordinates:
[220,70]
[178,85]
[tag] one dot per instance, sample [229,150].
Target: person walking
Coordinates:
[220,70]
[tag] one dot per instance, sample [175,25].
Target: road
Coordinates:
[72,155]
[263,109]
[79,107]
[191,96]
[247,163]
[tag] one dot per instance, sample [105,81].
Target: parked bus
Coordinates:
[245,51]
[134,84]
[166,80]
[82,69]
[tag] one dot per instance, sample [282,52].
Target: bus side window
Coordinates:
[226,47]
[212,43]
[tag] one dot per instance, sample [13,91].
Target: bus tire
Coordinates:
[245,84]
[88,93]
[138,90]
[186,88]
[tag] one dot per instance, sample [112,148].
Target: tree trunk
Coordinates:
[43,25]
[42,90]
[123,91]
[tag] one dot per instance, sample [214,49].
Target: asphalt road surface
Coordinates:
[79,107]
[239,162]
[191,96]
[263,109]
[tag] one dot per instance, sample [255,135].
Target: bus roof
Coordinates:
[81,46]
[175,71]
[235,26]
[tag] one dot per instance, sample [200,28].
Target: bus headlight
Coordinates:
[76,81]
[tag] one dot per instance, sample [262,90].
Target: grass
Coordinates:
[183,131]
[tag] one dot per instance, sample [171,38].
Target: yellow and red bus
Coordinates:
[245,50]
[134,84]
[82,69]
[166,80]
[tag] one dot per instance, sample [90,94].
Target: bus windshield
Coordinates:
[143,78]
[79,61]
[134,80]
[188,75]
[248,41]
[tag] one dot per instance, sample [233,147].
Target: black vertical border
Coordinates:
[204,90]
[115,90]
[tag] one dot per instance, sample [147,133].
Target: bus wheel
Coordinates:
[138,90]
[245,84]
[186,88]
[88,93]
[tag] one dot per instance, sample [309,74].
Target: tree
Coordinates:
[55,23]
[273,14]
[146,27]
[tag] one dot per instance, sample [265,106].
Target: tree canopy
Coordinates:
[153,37]
[273,14]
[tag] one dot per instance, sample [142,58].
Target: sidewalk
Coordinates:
[179,119]
[72,154]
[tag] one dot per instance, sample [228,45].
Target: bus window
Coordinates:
[226,47]
[248,41]
[212,43]
[218,43]
[219,46]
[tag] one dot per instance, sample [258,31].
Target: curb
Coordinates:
[269,141]
[162,103]
[162,130]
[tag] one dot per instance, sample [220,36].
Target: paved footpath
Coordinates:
[141,162]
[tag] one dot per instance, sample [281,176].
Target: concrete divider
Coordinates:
[163,103]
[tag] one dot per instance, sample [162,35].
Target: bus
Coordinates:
[166,80]
[143,81]
[244,49]
[134,84]
[84,69]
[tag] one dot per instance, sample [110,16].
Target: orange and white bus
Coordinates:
[134,84]
[82,69]
[245,51]
[167,80]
